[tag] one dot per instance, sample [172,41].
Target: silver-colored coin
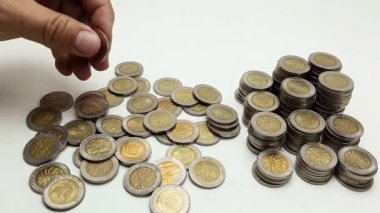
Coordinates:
[358,161]
[77,159]
[79,130]
[172,171]
[183,96]
[185,154]
[129,68]
[113,100]
[59,99]
[221,114]
[142,103]
[207,172]
[41,149]
[325,61]
[134,125]
[169,198]
[166,103]
[64,192]
[111,125]
[97,147]
[207,94]
[206,137]
[142,179]
[184,132]
[59,131]
[44,174]
[143,85]
[99,172]
[166,86]
[196,110]
[42,117]
[132,150]
[159,121]
[122,85]
[162,138]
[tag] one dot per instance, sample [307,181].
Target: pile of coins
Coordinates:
[252,81]
[261,101]
[321,62]
[223,121]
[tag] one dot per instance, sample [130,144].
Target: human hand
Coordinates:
[64,26]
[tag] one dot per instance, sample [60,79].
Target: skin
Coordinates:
[64,26]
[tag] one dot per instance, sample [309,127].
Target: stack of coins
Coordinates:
[342,130]
[303,126]
[334,91]
[321,62]
[288,66]
[296,93]
[223,121]
[261,101]
[356,168]
[266,131]
[252,81]
[316,163]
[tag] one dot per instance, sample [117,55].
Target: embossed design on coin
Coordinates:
[79,130]
[183,96]
[345,125]
[184,132]
[172,171]
[318,156]
[168,104]
[143,85]
[185,154]
[132,150]
[97,147]
[99,172]
[207,172]
[207,94]
[142,179]
[40,149]
[42,117]
[275,163]
[263,100]
[44,174]
[268,123]
[129,68]
[91,107]
[357,159]
[170,198]
[165,86]
[159,121]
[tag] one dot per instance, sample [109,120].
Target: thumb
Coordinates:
[58,31]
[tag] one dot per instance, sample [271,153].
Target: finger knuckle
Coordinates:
[54,29]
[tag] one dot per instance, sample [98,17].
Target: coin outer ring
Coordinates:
[152,201]
[144,134]
[362,172]
[182,168]
[218,120]
[32,179]
[77,159]
[282,59]
[329,167]
[320,128]
[64,96]
[86,156]
[115,103]
[261,167]
[198,97]
[53,154]
[284,87]
[338,66]
[134,110]
[191,139]
[270,109]
[37,128]
[268,85]
[330,124]
[190,111]
[142,192]
[82,190]
[346,89]
[206,142]
[126,92]
[207,185]
[183,103]
[80,113]
[103,179]
[178,108]
[163,93]
[162,129]
[174,147]
[65,134]
[74,122]
[103,131]
[139,72]
[256,128]
[129,162]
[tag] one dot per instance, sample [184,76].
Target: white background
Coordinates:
[202,41]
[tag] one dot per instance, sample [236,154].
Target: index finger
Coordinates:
[101,15]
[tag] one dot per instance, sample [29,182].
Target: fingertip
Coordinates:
[63,66]
[100,65]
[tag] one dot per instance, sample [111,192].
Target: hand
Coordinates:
[64,26]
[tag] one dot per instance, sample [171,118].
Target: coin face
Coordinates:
[132,150]
[221,113]
[263,101]
[104,46]
[97,147]
[77,159]
[44,174]
[167,104]
[207,94]
[59,99]
[345,126]
[91,107]
[159,121]
[42,117]
[325,61]
[59,131]
[170,198]
[183,96]
[142,103]
[99,172]
[294,64]
[206,137]
[184,132]
[134,125]
[41,149]
[185,154]
[307,121]
[143,85]
[275,164]
[113,100]
[298,87]
[110,125]
[79,130]
[336,81]
[64,192]
[196,110]
[129,68]
[257,80]
[142,179]
[357,160]
[318,156]
[166,86]
[172,171]
[207,172]
[122,85]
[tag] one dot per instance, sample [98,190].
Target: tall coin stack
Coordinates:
[321,62]
[252,81]
[288,66]
[303,126]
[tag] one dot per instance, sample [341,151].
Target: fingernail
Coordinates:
[87,43]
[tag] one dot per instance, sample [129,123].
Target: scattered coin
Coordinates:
[77,159]
[113,100]
[162,138]
[207,172]
[99,172]
[129,68]
[132,150]
[134,125]
[44,174]
[91,105]
[172,171]
[142,103]
[79,130]
[196,110]
[104,46]
[167,104]
[159,121]
[252,81]
[59,99]
[183,96]
[97,147]
[184,132]
[110,125]
[259,101]
[41,149]
[122,85]
[59,131]
[207,94]
[42,117]
[169,198]
[206,137]
[143,85]
[166,86]
[185,154]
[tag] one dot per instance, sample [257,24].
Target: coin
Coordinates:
[325,61]
[59,99]
[143,85]
[166,86]
[184,132]
[122,85]
[293,65]
[206,137]
[183,96]
[41,149]
[99,172]
[185,154]
[162,138]
[129,68]
[142,103]
[134,125]
[172,171]
[167,104]
[159,121]
[196,110]
[207,172]
[221,114]
[59,131]
[44,174]
[104,46]
[142,179]
[132,150]
[91,105]
[259,101]
[42,117]
[89,94]
[207,94]
[64,192]
[77,159]
[110,125]
[79,130]
[252,81]
[169,198]
[97,147]
[113,100]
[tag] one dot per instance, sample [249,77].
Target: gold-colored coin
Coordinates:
[207,94]
[185,154]
[184,132]
[167,104]
[40,149]
[45,173]
[206,137]
[357,159]
[42,117]
[132,150]
[172,171]
[166,86]
[183,96]
[113,100]
[307,120]
[134,125]
[122,85]
[129,68]
[256,80]
[268,123]
[207,172]
[318,155]
[325,61]
[298,87]
[142,103]
[263,100]
[293,65]
[159,121]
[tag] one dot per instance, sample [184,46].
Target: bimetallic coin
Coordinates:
[142,179]
[298,87]
[113,100]
[268,124]
[143,85]
[325,61]
[256,80]
[357,161]
[345,126]
[110,125]
[185,154]
[206,137]
[262,101]
[59,99]
[44,174]
[64,192]
[42,117]
[169,198]
[99,172]
[184,132]
[159,121]
[207,94]
[172,171]
[207,172]
[122,85]
[104,46]
[196,110]
[336,81]
[97,147]
[293,65]
[162,138]
[132,150]
[167,104]
[183,96]
[166,86]
[134,125]
[91,107]
[221,114]
[129,68]
[142,103]
[41,149]
[77,159]
[275,165]
[59,131]
[307,121]
[79,130]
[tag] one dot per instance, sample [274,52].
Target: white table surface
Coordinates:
[202,41]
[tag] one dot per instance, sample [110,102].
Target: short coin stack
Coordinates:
[252,81]
[321,62]
[223,121]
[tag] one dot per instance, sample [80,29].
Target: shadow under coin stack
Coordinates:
[321,62]
[223,121]
[252,81]
[303,126]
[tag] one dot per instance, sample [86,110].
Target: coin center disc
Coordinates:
[159,120]
[318,156]
[98,147]
[112,125]
[64,191]
[357,159]
[137,124]
[275,164]
[170,200]
[184,154]
[133,150]
[122,84]
[142,178]
[208,93]
[129,68]
[79,131]
[170,172]
[268,123]
[182,131]
[345,125]
[222,113]
[41,148]
[207,171]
